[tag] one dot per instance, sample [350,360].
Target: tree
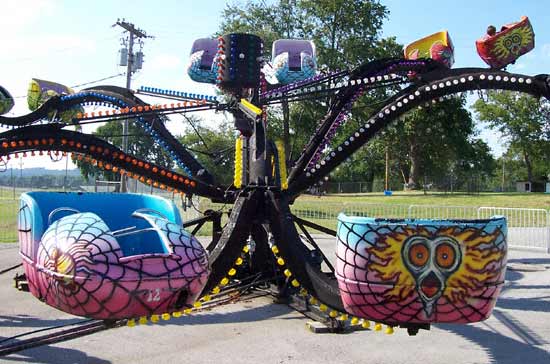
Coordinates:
[523,120]
[213,148]
[438,142]
[346,33]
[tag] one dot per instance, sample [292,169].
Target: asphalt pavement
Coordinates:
[260,331]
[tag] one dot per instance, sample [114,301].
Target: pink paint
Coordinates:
[79,267]
[424,271]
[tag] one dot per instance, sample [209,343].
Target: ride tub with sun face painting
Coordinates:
[420,271]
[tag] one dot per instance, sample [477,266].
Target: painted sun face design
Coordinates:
[512,42]
[431,263]
[449,263]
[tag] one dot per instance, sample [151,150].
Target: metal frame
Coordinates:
[261,211]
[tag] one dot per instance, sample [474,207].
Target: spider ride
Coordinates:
[141,262]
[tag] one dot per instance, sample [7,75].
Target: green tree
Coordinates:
[346,34]
[436,142]
[214,148]
[522,120]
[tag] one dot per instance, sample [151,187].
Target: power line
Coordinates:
[101,79]
[79,85]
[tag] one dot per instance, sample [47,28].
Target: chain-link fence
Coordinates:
[449,185]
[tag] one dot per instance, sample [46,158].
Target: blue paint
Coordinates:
[115,209]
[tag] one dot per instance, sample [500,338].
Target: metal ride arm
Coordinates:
[367,76]
[433,86]
[51,137]
[229,246]
[117,97]
[161,132]
[298,257]
[34,117]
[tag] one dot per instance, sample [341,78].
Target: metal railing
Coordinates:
[442,212]
[527,228]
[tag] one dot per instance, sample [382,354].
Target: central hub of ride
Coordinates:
[239,62]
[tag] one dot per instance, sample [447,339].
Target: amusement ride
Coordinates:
[141,263]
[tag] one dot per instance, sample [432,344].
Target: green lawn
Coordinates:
[323,210]
[516,200]
[8,220]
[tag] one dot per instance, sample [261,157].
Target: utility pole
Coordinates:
[502,187]
[133,62]
[386,184]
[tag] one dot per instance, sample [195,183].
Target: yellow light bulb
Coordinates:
[206,298]
[343,317]
[365,324]
[155,318]
[131,323]
[224,281]
[295,283]
[246,249]
[313,300]
[354,321]
[187,311]
[333,314]
[176,314]
[216,290]
[197,304]
[275,249]
[239,261]
[287,273]
[166,316]
[389,330]
[232,272]
[280,261]
[323,307]
[377,327]
[142,320]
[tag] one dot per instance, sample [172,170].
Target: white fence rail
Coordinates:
[527,228]
[442,212]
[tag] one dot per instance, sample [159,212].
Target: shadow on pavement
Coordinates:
[33,321]
[247,314]
[52,355]
[526,304]
[530,260]
[500,348]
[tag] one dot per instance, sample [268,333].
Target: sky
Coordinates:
[74,42]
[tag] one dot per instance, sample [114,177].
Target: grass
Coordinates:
[323,210]
[514,199]
[8,220]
